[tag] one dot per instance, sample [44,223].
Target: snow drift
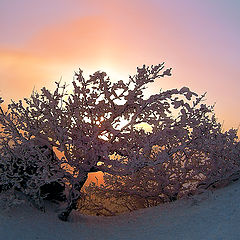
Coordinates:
[211,215]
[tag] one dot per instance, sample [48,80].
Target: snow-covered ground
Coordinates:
[207,216]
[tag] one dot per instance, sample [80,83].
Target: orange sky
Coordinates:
[42,41]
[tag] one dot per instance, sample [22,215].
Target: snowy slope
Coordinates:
[207,216]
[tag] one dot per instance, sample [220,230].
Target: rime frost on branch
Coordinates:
[95,126]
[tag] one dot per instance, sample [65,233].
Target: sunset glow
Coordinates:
[44,41]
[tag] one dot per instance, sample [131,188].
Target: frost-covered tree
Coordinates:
[206,163]
[30,168]
[96,126]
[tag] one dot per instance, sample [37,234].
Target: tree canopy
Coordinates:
[95,124]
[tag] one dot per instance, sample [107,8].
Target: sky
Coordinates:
[44,41]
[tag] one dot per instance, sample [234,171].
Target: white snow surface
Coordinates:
[211,215]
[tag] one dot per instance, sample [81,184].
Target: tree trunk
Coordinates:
[73,198]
